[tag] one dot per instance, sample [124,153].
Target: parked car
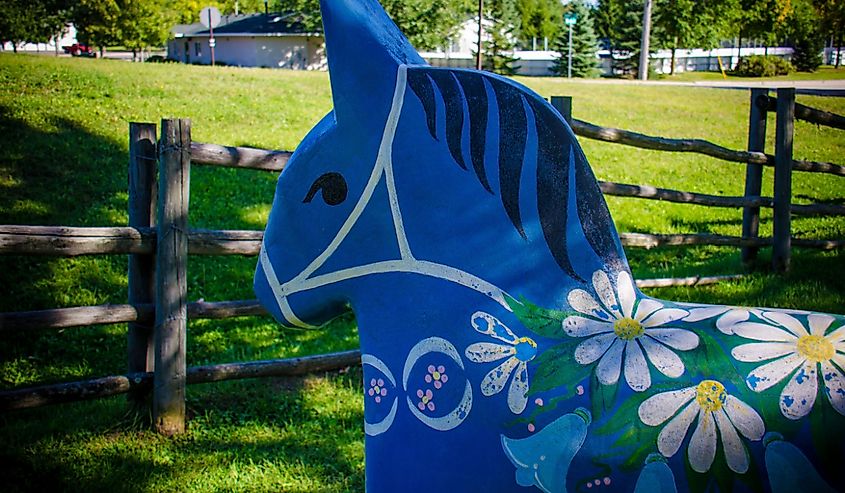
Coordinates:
[77,49]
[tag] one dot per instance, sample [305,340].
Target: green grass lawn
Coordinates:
[63,161]
[825,72]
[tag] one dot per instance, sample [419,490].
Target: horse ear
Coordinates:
[364,48]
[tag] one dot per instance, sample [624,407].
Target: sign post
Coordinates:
[570,18]
[210,18]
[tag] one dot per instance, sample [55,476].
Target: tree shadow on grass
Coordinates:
[56,172]
[61,174]
[815,200]
[301,434]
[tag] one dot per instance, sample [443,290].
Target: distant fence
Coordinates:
[158,241]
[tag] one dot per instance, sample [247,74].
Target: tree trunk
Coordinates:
[14,47]
[838,47]
[672,65]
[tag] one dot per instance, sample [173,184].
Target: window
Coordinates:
[197,49]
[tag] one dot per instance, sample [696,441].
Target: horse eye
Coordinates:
[333,187]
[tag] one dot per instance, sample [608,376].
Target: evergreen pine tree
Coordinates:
[806,36]
[502,24]
[627,44]
[584,44]
[619,24]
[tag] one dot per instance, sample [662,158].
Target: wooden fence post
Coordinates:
[563,104]
[757,117]
[142,210]
[171,282]
[783,179]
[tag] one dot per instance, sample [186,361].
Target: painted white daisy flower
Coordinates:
[728,316]
[518,351]
[715,410]
[622,325]
[798,354]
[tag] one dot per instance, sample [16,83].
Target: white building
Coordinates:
[460,52]
[55,45]
[253,40]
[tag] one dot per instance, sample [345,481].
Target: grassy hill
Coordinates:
[63,161]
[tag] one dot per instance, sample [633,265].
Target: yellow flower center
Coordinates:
[627,328]
[815,348]
[710,395]
[436,375]
[425,399]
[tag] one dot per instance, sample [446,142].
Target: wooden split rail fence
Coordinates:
[158,241]
[755,159]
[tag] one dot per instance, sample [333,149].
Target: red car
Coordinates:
[77,49]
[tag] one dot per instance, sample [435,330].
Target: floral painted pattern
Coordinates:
[436,376]
[715,409]
[426,400]
[516,352]
[798,354]
[377,389]
[620,327]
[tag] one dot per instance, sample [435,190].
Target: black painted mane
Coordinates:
[465,90]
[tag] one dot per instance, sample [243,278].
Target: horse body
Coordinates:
[504,342]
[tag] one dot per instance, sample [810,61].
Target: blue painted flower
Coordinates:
[518,351]
[797,353]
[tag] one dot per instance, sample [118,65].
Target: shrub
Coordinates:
[762,66]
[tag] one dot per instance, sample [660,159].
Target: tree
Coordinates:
[832,15]
[539,19]
[584,44]
[426,23]
[693,23]
[34,21]
[56,15]
[143,24]
[806,36]
[619,24]
[502,25]
[188,11]
[96,22]
[765,20]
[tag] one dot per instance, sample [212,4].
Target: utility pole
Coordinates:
[569,61]
[480,16]
[643,69]
[570,18]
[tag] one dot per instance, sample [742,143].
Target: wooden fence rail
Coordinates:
[248,242]
[158,235]
[143,381]
[79,316]
[808,114]
[66,241]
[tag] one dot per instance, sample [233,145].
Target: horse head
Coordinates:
[381,181]
[504,342]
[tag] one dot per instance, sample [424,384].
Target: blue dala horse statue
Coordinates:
[504,343]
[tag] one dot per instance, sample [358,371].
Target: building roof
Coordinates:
[278,24]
